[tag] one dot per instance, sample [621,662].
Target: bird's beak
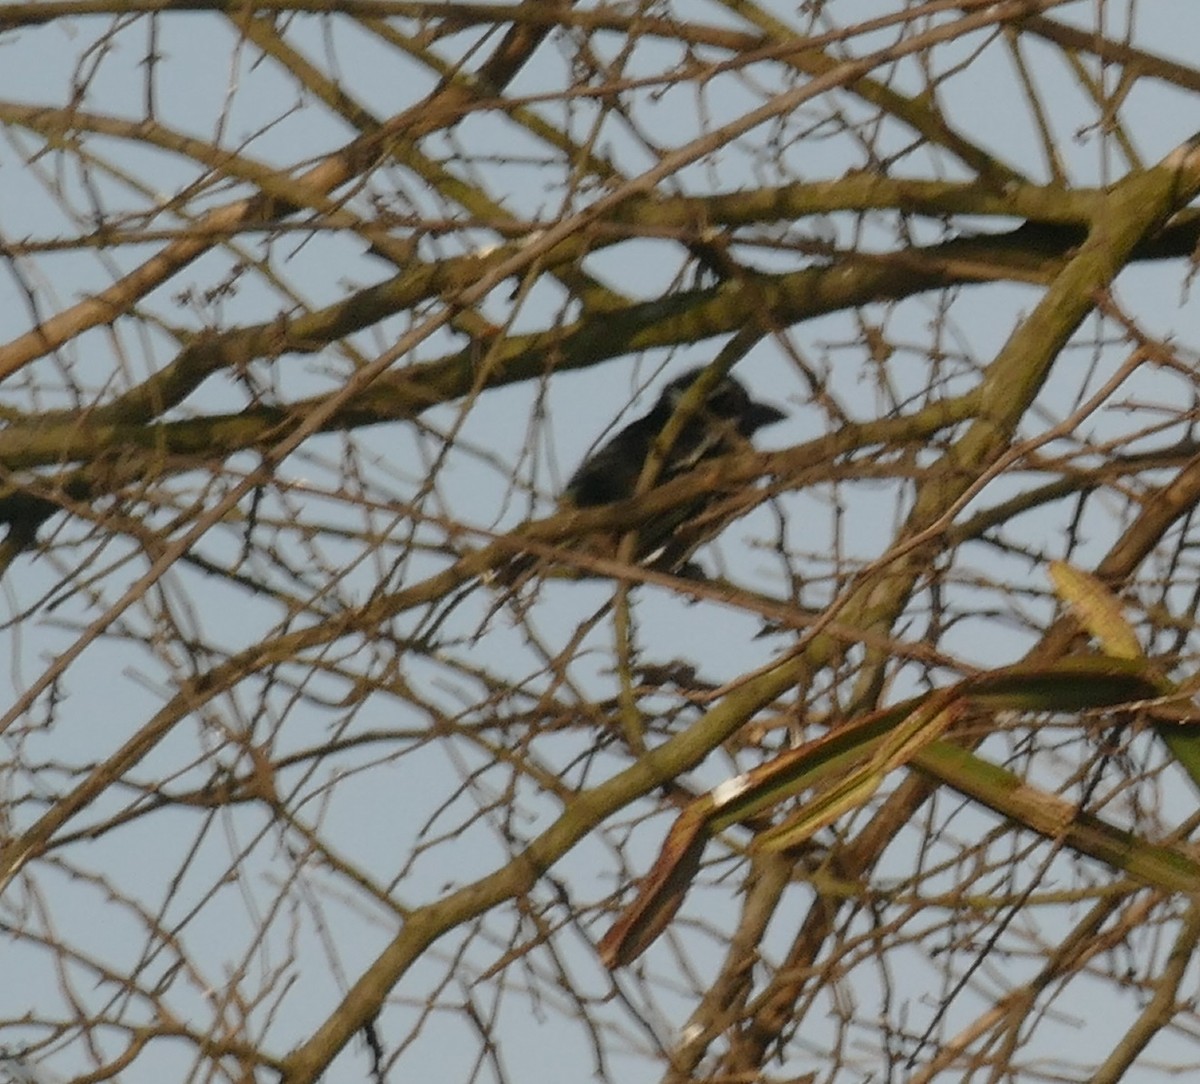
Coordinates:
[761,414]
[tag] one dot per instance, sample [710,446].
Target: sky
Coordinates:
[412,818]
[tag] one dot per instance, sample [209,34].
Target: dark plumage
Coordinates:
[726,420]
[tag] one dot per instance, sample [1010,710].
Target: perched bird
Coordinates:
[722,424]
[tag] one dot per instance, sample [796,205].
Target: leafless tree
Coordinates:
[337,746]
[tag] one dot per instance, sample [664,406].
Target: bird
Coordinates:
[723,423]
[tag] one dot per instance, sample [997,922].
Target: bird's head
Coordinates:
[728,401]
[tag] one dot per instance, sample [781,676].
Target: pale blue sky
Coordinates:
[384,817]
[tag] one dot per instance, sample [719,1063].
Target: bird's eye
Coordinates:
[725,401]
